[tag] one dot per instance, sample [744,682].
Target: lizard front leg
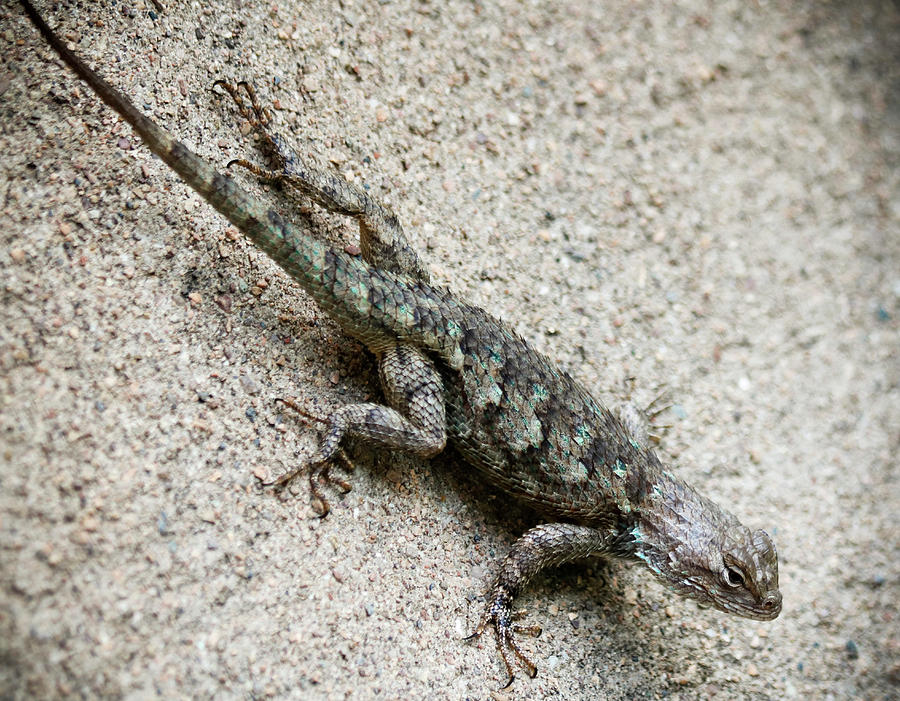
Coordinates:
[547,545]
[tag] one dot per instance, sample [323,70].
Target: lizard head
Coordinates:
[703,552]
[739,575]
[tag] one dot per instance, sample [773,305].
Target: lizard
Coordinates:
[453,373]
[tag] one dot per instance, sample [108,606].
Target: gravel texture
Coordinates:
[701,198]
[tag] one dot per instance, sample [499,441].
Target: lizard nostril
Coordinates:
[772,602]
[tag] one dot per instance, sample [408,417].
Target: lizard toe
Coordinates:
[499,616]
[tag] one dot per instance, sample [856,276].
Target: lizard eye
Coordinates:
[733,577]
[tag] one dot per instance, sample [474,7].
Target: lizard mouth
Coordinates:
[766,610]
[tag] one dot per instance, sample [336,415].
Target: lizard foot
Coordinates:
[501,618]
[660,404]
[643,422]
[259,119]
[258,116]
[319,474]
[319,468]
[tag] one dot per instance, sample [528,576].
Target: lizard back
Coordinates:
[536,433]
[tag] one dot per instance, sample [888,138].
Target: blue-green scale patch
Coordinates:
[582,434]
[539,392]
[637,535]
[361,291]
[453,331]
[404,312]
[578,476]
[653,568]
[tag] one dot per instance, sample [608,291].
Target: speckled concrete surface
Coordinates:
[703,198]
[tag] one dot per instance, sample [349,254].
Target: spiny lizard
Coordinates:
[452,371]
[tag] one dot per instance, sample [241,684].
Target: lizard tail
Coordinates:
[373,305]
[266,229]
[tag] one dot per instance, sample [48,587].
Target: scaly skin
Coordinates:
[452,371]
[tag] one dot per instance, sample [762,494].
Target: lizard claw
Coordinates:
[499,616]
[259,118]
[255,113]
[319,468]
[319,474]
[643,421]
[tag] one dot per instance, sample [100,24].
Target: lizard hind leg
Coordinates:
[414,421]
[382,240]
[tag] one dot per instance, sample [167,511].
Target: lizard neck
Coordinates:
[674,520]
[676,531]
